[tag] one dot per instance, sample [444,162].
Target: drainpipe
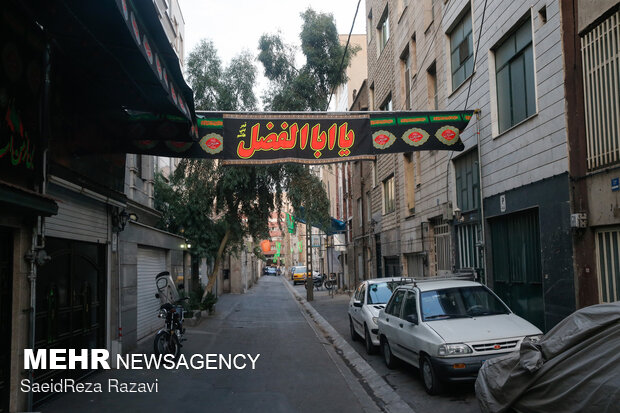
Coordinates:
[482,237]
[36,255]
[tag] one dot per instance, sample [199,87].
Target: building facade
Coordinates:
[514,204]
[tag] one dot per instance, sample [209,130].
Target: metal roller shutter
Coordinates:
[79,218]
[150,263]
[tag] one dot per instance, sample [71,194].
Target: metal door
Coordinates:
[71,295]
[517,273]
[150,263]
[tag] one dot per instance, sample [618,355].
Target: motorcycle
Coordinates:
[168,339]
[331,282]
[318,280]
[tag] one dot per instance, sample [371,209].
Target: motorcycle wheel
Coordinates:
[328,285]
[164,344]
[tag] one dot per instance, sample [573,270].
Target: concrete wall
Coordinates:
[589,11]
[136,234]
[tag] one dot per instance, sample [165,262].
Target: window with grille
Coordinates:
[442,247]
[468,238]
[608,263]
[601,58]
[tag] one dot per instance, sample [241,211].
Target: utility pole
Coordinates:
[309,281]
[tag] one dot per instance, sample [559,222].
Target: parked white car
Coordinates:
[369,298]
[448,329]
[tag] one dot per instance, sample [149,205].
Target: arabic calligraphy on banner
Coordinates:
[255,138]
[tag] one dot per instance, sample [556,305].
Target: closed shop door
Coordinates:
[71,291]
[6,291]
[150,263]
[517,273]
[392,267]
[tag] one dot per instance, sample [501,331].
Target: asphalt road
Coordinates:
[294,373]
[405,379]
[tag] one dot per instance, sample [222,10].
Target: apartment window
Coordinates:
[388,195]
[369,27]
[431,82]
[387,104]
[514,74]
[461,51]
[374,173]
[405,67]
[401,5]
[441,232]
[467,182]
[139,171]
[360,214]
[429,13]
[600,82]
[383,30]
[409,182]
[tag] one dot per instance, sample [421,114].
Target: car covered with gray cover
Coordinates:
[575,367]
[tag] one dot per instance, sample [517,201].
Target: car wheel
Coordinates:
[431,382]
[352,330]
[388,356]
[370,348]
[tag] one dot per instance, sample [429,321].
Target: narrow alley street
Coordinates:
[294,372]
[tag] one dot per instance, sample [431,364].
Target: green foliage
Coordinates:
[309,87]
[214,206]
[208,302]
[218,88]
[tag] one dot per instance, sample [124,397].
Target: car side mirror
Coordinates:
[156,295]
[412,318]
[357,303]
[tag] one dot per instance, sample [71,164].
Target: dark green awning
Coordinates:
[26,201]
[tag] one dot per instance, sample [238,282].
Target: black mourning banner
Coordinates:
[269,137]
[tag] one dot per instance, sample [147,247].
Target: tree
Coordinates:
[219,206]
[309,87]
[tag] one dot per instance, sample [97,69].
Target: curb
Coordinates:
[376,387]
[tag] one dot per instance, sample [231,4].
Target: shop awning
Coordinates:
[25,201]
[125,74]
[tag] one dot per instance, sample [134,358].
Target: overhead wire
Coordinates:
[344,54]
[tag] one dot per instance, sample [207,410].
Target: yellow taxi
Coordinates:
[299,274]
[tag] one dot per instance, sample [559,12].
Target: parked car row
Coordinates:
[445,327]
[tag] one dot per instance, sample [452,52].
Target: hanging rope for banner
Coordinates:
[344,55]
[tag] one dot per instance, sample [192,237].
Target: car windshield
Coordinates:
[460,302]
[380,293]
[300,270]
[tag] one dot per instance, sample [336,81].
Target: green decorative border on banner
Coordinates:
[376,122]
[445,118]
[413,120]
[211,123]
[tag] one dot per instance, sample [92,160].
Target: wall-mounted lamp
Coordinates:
[120,217]
[186,245]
